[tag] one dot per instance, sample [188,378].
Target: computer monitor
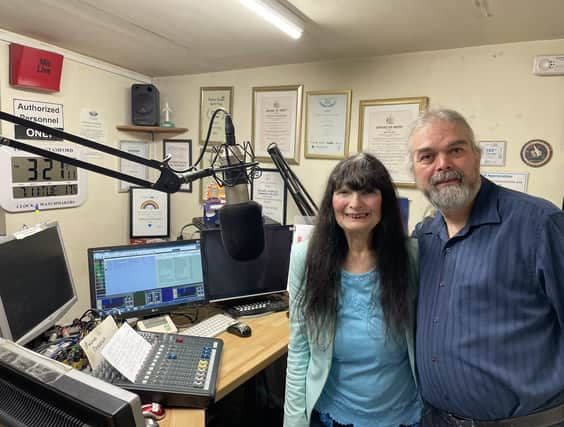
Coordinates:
[146,279]
[38,391]
[228,279]
[37,286]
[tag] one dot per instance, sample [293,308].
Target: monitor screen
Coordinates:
[226,278]
[37,286]
[147,279]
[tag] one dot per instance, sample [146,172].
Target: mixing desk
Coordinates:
[180,371]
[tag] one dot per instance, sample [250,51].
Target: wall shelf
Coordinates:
[152,129]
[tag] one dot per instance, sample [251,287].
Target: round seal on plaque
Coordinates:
[536,152]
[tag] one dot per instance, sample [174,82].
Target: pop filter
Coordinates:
[242,230]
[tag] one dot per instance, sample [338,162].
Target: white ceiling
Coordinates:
[174,37]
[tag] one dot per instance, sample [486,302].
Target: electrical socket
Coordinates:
[548,65]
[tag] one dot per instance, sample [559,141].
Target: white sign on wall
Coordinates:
[44,113]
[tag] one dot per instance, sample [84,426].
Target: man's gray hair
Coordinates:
[444,115]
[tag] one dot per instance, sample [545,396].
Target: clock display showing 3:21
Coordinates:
[39,169]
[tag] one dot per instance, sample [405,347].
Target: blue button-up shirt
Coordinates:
[490,323]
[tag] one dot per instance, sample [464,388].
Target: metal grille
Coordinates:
[19,406]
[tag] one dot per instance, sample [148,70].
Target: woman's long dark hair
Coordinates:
[328,248]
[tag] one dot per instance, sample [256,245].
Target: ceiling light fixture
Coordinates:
[278,15]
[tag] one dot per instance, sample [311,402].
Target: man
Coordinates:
[490,323]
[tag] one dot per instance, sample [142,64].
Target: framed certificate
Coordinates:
[180,151]
[328,115]
[138,148]
[493,153]
[384,126]
[268,188]
[212,98]
[149,213]
[277,113]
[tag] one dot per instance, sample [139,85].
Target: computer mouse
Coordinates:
[240,329]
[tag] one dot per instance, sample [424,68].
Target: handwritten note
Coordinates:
[97,339]
[126,351]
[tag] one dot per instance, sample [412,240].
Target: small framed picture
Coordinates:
[277,114]
[180,151]
[212,98]
[493,153]
[137,148]
[149,213]
[328,117]
[268,188]
[384,126]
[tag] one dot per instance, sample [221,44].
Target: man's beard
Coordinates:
[454,196]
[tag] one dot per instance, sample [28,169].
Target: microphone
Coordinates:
[236,190]
[242,228]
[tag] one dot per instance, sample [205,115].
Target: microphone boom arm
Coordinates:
[303,200]
[168,181]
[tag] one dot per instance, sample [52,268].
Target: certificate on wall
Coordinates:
[180,161]
[138,148]
[493,153]
[212,98]
[268,188]
[327,124]
[384,129]
[149,213]
[277,113]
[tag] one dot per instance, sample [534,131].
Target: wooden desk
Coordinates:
[241,359]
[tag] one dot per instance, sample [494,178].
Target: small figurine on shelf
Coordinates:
[166,117]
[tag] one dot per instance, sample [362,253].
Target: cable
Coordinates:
[205,146]
[180,234]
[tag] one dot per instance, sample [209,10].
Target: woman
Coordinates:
[352,297]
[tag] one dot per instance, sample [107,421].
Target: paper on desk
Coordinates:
[96,340]
[126,351]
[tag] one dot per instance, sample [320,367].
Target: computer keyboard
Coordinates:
[258,307]
[210,327]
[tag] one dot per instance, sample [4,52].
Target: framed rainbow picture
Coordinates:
[149,213]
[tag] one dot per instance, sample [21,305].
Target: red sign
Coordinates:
[35,68]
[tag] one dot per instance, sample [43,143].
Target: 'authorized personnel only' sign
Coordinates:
[45,113]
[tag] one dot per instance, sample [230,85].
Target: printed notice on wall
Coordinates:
[44,113]
[92,128]
[511,180]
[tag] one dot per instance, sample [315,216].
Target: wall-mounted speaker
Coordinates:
[144,105]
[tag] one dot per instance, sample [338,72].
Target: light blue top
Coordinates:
[370,383]
[309,364]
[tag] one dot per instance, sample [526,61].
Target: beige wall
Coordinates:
[492,85]
[103,218]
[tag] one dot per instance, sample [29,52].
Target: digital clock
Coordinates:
[31,182]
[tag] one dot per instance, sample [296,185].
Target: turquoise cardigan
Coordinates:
[308,367]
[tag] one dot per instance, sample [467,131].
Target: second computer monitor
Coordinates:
[228,279]
[141,280]
[36,288]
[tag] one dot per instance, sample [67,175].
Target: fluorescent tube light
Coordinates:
[277,15]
